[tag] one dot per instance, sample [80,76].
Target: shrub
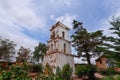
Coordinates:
[6,75]
[58,74]
[109,71]
[16,73]
[66,72]
[37,68]
[79,71]
[118,77]
[108,78]
[20,73]
[48,70]
[83,70]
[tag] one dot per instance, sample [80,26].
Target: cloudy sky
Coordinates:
[27,22]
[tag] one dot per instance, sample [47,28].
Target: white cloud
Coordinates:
[114,7]
[15,17]
[17,36]
[66,19]
[61,2]
[21,12]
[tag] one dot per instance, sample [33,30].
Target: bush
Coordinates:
[48,70]
[118,77]
[83,70]
[16,73]
[37,68]
[108,78]
[20,73]
[80,71]
[109,71]
[66,72]
[6,75]
[58,74]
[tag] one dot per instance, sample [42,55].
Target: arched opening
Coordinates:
[63,34]
[53,35]
[64,47]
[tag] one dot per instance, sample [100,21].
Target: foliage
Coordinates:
[7,49]
[48,70]
[47,75]
[20,73]
[63,74]
[59,73]
[16,73]
[66,72]
[23,54]
[39,51]
[37,68]
[86,42]
[6,75]
[89,43]
[113,41]
[80,71]
[108,78]
[108,71]
[118,77]
[84,70]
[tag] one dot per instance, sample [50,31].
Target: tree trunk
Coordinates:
[88,58]
[91,76]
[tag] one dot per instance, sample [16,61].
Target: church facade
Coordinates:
[59,47]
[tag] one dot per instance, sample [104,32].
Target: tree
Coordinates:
[113,42]
[39,52]
[23,54]
[86,42]
[7,49]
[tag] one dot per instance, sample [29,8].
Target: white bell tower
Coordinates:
[59,47]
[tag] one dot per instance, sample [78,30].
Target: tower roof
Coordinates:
[59,24]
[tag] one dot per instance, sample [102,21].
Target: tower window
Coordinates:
[63,34]
[55,44]
[53,35]
[51,46]
[64,47]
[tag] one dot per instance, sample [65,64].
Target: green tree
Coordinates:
[23,54]
[113,41]
[86,42]
[7,49]
[39,52]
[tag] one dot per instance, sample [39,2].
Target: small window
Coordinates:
[53,35]
[55,44]
[64,46]
[63,34]
[100,61]
[51,46]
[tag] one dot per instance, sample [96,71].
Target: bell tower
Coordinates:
[59,39]
[59,47]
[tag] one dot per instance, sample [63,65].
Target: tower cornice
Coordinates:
[59,38]
[59,24]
